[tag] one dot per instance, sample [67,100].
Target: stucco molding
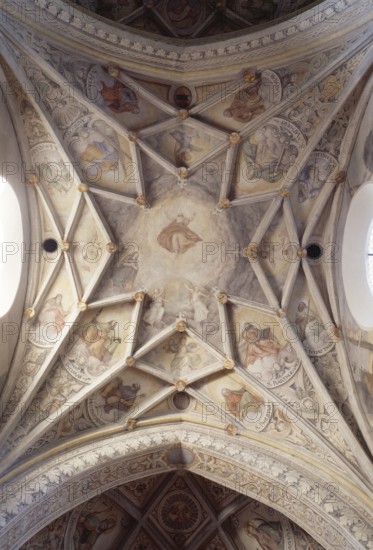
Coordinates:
[63,20]
[31,501]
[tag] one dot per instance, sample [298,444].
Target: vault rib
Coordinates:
[47,284]
[73,275]
[228,417]
[55,76]
[291,276]
[214,151]
[216,98]
[74,216]
[155,341]
[49,210]
[289,284]
[250,304]
[353,126]
[144,93]
[199,30]
[137,166]
[318,208]
[108,194]
[317,297]
[44,116]
[254,198]
[146,367]
[264,283]
[151,402]
[204,343]
[224,321]
[343,358]
[133,15]
[35,432]
[157,157]
[290,223]
[65,332]
[228,173]
[345,430]
[315,138]
[112,300]
[204,373]
[276,110]
[266,221]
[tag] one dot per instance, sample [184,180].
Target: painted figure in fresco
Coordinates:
[94,348]
[124,275]
[118,396]
[368,387]
[54,173]
[50,322]
[91,527]
[271,150]
[34,129]
[200,310]
[258,344]
[263,355]
[34,358]
[186,357]
[100,339]
[154,314]
[184,146]
[183,14]
[118,97]
[316,339]
[311,179]
[176,237]
[93,150]
[53,394]
[329,89]
[53,312]
[267,533]
[247,104]
[308,188]
[239,402]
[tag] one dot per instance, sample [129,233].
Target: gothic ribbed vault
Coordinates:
[184,313]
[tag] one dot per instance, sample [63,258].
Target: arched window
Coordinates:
[370,255]
[357,256]
[11,232]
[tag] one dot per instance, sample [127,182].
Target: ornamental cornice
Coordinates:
[59,20]
[34,499]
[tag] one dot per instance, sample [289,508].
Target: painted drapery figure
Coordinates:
[267,533]
[176,237]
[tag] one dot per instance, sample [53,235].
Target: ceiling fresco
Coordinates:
[193,18]
[181,283]
[172,511]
